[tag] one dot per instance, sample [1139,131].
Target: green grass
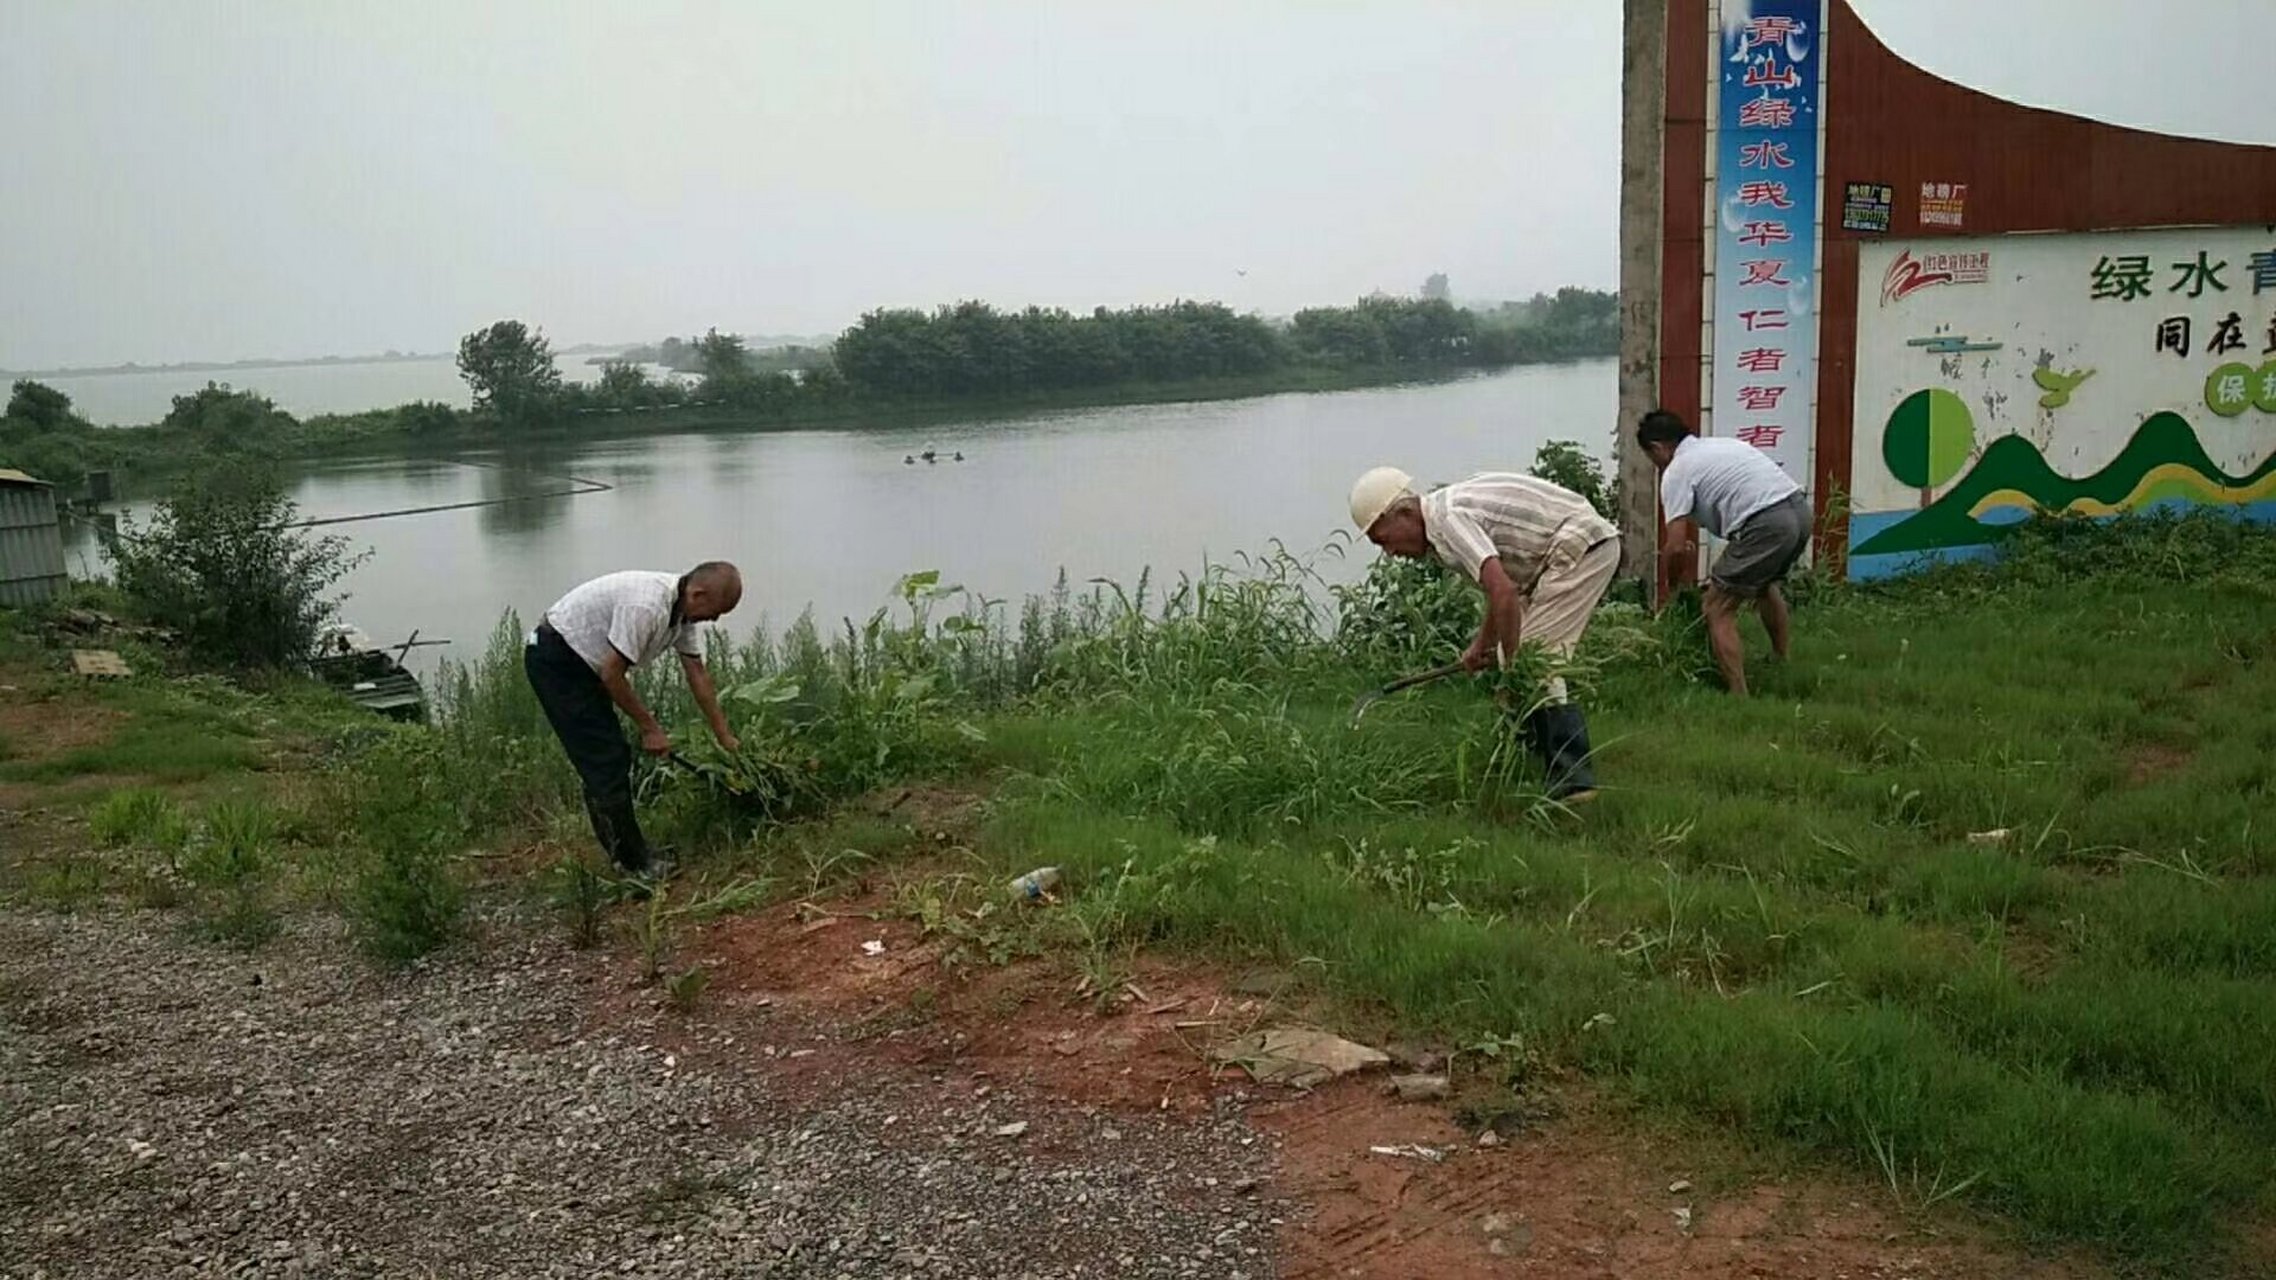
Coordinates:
[1778,904]
[1976,898]
[165,735]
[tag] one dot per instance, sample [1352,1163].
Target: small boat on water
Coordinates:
[372,677]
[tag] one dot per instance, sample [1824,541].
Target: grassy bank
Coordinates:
[1974,897]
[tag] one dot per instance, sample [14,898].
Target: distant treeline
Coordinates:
[967,356]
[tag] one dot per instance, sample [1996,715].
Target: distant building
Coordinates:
[31,543]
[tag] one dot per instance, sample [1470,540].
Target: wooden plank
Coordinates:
[101,664]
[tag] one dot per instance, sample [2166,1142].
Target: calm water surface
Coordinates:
[831,519]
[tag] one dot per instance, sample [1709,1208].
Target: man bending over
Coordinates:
[1731,490]
[579,660]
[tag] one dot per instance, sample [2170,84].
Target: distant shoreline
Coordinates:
[233,366]
[606,349]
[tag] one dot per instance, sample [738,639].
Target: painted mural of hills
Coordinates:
[2163,460]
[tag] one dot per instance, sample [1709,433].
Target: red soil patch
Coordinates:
[1022,1022]
[37,728]
[1573,1197]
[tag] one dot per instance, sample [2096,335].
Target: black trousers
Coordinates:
[578,707]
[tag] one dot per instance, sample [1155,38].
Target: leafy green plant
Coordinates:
[235,845]
[651,931]
[221,565]
[404,897]
[582,894]
[685,988]
[1566,463]
[141,816]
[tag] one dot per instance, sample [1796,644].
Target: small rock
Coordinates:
[1498,1248]
[1679,1186]
[1262,982]
[1496,1224]
[1012,1130]
[1490,1139]
[1683,1218]
[1420,1088]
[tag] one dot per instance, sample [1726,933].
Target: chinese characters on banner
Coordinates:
[1766,198]
[1943,204]
[2206,307]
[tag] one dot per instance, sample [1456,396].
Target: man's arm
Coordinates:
[1504,623]
[707,698]
[1677,541]
[653,740]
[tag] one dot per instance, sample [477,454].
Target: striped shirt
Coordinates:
[1519,519]
[634,613]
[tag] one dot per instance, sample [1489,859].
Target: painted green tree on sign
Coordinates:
[1929,438]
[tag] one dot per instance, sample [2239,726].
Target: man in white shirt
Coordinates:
[1731,490]
[1542,555]
[578,659]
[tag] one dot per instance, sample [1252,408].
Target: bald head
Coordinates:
[714,588]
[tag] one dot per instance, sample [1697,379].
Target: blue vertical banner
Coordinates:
[1767,185]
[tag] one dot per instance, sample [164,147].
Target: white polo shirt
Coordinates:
[1719,482]
[630,612]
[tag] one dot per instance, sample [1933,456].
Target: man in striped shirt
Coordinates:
[1542,555]
[579,662]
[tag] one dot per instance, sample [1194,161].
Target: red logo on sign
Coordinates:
[1906,276]
[1909,275]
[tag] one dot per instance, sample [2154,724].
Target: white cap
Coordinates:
[1374,493]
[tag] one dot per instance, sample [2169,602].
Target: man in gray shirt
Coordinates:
[1731,490]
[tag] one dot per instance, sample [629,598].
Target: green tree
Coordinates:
[1436,288]
[223,418]
[624,385]
[725,362]
[510,369]
[220,566]
[57,458]
[427,418]
[40,405]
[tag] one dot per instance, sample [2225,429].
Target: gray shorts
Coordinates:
[1763,549]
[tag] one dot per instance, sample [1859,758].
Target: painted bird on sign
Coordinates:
[2058,386]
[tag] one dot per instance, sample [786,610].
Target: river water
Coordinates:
[832,519]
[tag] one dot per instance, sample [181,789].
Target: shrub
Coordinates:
[404,898]
[139,816]
[219,565]
[1564,462]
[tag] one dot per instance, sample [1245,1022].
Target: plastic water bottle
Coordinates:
[1032,886]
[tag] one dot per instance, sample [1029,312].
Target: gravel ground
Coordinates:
[170,1108]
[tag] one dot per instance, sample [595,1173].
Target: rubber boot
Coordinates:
[1560,737]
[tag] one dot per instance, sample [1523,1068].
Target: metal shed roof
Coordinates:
[18,477]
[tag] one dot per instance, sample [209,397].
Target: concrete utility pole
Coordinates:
[1643,130]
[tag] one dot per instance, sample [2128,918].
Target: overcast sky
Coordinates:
[193,180]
